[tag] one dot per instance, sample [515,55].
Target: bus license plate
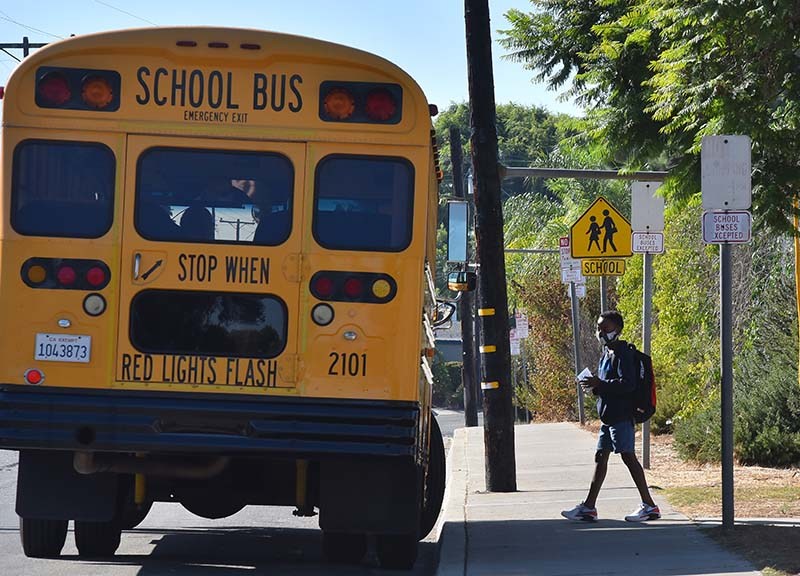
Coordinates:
[63,347]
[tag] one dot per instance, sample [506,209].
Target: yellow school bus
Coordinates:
[215,264]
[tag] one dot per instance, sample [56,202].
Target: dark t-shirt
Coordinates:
[617,373]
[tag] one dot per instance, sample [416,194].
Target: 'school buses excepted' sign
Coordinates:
[601,232]
[603,267]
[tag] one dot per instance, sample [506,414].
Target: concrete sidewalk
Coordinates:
[523,532]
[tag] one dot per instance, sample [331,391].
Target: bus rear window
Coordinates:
[208,323]
[63,189]
[212,196]
[364,203]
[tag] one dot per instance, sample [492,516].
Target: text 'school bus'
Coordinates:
[216,287]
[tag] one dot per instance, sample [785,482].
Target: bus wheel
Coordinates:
[97,539]
[434,481]
[42,538]
[344,548]
[396,551]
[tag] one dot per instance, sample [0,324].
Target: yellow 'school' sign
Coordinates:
[601,232]
[603,267]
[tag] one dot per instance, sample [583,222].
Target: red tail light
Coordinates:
[343,286]
[353,287]
[66,276]
[380,105]
[54,89]
[96,276]
[323,286]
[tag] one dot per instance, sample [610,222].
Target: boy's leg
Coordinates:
[637,473]
[600,469]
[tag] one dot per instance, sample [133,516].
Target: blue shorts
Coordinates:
[619,437]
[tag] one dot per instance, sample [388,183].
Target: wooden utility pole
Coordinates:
[498,410]
[25,46]
[465,303]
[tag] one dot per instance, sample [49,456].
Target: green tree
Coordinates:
[658,75]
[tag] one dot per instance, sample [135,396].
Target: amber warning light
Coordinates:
[78,89]
[361,102]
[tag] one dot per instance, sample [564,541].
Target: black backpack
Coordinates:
[644,396]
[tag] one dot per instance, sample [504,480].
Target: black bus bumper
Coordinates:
[119,421]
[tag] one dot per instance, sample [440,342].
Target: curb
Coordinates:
[452,526]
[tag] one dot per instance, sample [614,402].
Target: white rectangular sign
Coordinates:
[515,347]
[725,172]
[522,324]
[568,276]
[567,261]
[730,227]
[580,291]
[647,209]
[647,243]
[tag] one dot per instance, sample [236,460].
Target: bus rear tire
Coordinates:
[42,538]
[434,481]
[397,551]
[343,548]
[97,539]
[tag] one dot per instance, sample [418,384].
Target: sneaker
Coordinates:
[645,512]
[581,512]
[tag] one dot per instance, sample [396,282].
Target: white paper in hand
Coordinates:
[585,374]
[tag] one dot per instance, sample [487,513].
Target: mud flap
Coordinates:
[379,496]
[49,488]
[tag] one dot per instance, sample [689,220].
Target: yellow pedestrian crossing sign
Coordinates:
[601,232]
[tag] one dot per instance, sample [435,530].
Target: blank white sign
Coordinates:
[725,172]
[647,209]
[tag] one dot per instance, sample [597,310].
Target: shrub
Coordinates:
[448,389]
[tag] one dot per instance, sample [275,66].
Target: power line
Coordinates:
[10,54]
[125,12]
[4,16]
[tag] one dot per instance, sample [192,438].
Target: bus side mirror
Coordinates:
[457,212]
[462,281]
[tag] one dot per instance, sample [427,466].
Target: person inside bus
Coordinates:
[197,223]
[273,221]
[155,222]
[224,191]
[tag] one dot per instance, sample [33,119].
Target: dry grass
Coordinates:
[695,491]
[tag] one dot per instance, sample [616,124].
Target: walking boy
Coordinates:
[614,385]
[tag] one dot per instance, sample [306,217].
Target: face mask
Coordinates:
[606,337]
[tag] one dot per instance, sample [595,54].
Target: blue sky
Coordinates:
[425,38]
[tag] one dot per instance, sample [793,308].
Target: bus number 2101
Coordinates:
[345,364]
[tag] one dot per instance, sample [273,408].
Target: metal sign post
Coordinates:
[570,273]
[647,220]
[725,175]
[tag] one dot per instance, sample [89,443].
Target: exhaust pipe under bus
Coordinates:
[174,467]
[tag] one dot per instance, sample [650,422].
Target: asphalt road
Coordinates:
[449,420]
[172,541]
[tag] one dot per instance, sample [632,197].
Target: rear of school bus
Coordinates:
[216,290]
